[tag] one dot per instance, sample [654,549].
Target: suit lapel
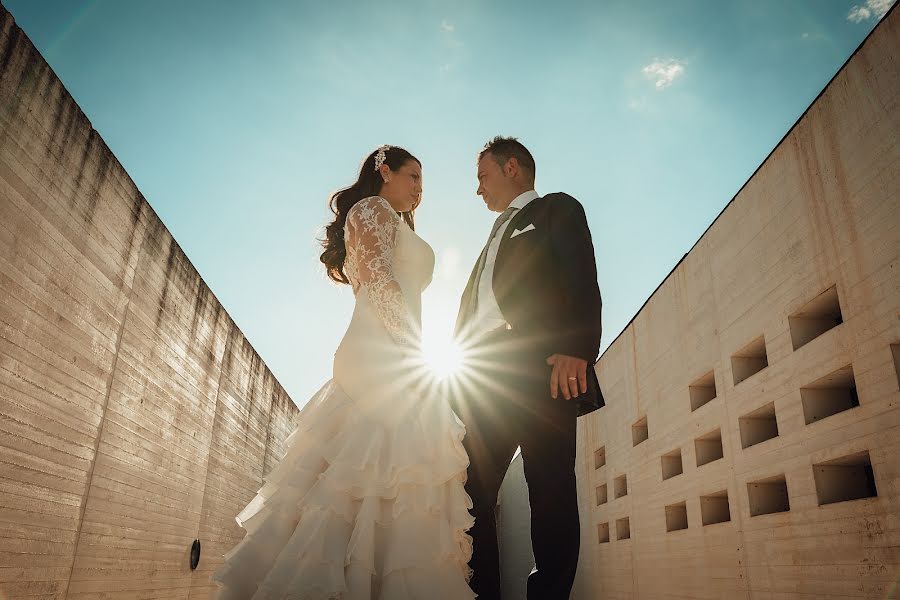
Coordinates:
[519,218]
[465,306]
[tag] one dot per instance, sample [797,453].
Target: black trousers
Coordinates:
[504,401]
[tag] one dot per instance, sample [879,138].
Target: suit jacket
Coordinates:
[545,282]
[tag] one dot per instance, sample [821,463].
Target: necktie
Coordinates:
[501,219]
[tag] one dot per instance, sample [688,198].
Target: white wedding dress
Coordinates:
[368,501]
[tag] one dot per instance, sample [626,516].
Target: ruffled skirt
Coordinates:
[359,508]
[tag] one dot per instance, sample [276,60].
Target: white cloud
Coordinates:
[664,71]
[871,9]
[858,14]
[452,46]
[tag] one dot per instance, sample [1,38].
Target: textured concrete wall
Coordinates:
[134,415]
[815,230]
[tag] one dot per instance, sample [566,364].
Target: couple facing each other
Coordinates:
[388,485]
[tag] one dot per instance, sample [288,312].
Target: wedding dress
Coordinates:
[368,502]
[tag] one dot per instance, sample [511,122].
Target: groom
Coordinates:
[529,321]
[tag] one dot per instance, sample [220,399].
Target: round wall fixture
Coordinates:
[195,554]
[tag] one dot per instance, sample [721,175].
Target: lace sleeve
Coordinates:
[372,227]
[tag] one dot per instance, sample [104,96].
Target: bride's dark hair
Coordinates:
[368,183]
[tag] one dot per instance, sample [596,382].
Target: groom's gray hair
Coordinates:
[504,148]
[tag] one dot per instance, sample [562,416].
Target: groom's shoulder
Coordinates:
[560,201]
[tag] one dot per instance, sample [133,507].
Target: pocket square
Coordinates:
[517,231]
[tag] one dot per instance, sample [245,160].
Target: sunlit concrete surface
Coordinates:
[750,444]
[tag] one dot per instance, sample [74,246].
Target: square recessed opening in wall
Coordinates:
[709,447]
[817,316]
[768,496]
[599,457]
[639,432]
[714,508]
[603,533]
[620,486]
[830,395]
[601,494]
[895,352]
[758,426]
[703,390]
[671,464]
[846,478]
[623,529]
[676,517]
[749,360]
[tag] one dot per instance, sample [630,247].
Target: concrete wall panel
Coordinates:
[134,415]
[820,213]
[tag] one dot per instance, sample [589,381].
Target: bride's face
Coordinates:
[403,187]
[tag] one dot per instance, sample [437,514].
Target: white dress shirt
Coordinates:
[487,313]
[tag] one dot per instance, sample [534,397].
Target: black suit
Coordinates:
[545,283]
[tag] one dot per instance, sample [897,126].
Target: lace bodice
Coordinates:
[371,235]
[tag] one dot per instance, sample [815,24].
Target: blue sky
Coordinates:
[237,120]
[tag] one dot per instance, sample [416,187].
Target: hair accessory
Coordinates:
[381,156]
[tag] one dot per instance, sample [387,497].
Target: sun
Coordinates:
[442,356]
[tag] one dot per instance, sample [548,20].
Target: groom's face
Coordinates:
[494,186]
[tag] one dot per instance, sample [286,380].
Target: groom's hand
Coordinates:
[569,375]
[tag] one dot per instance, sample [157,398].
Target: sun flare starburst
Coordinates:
[442,356]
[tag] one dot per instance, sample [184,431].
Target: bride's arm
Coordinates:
[372,228]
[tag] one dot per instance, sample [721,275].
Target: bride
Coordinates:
[368,501]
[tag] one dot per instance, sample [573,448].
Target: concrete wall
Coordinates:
[134,415]
[822,213]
